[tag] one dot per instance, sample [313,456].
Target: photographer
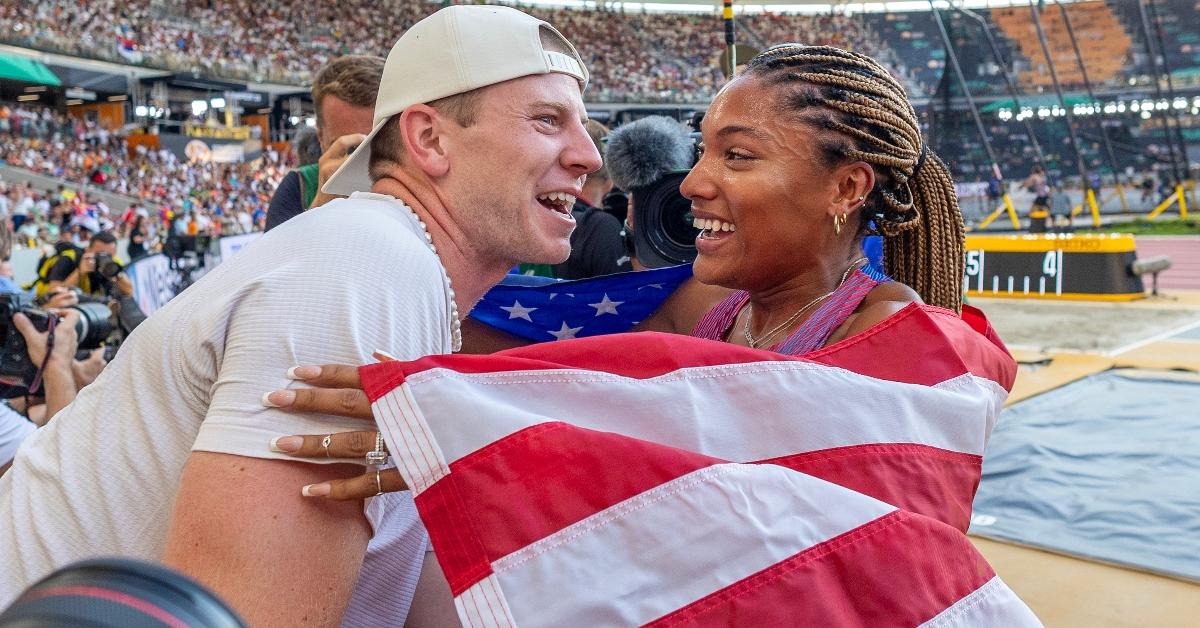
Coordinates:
[60,374]
[87,269]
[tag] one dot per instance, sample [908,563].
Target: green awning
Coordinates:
[28,70]
[1040,100]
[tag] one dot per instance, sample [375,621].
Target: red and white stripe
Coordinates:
[603,481]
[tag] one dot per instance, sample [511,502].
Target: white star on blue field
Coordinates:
[542,309]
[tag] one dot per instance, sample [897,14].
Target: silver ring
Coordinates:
[380,454]
[378,483]
[325,442]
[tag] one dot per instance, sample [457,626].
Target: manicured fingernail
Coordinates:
[316,490]
[286,444]
[384,355]
[278,398]
[303,372]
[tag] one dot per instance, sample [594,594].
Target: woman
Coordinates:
[137,239]
[805,153]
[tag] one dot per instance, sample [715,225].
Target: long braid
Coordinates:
[913,205]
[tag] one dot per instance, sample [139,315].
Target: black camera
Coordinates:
[649,158]
[106,266]
[664,235]
[94,327]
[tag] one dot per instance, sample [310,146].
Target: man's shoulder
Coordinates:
[380,220]
[362,236]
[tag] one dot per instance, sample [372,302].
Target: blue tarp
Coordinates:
[1106,468]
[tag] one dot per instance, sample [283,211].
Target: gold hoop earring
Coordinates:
[838,221]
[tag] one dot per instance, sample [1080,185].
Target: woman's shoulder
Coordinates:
[881,302]
[890,292]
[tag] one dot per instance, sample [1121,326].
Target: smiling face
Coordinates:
[515,173]
[763,190]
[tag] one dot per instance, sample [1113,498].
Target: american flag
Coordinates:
[661,479]
[543,309]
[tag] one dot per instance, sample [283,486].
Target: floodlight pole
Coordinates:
[983,136]
[1177,196]
[1089,196]
[1087,84]
[1178,166]
[727,14]
[1013,92]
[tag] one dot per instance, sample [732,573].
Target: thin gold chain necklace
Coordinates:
[762,340]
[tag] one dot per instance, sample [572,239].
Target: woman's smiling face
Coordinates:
[764,177]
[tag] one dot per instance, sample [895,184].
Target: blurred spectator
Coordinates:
[225,198]
[344,96]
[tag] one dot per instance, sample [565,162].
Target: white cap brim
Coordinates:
[354,175]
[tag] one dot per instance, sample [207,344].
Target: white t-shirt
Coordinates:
[329,286]
[14,429]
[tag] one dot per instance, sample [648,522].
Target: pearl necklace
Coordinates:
[455,323]
[761,340]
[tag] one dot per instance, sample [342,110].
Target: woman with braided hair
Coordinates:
[807,152]
[804,154]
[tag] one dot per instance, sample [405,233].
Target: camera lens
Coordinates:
[94,324]
[112,592]
[663,224]
[677,222]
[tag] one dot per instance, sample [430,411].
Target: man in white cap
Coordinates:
[477,152]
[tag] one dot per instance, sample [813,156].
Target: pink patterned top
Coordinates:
[812,333]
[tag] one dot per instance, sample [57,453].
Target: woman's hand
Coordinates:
[337,390]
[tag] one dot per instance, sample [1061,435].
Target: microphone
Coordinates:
[643,152]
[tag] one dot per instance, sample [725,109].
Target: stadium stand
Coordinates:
[221,197]
[637,57]
[1103,43]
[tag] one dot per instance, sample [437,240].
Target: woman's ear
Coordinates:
[855,181]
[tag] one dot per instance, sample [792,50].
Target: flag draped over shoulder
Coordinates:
[661,479]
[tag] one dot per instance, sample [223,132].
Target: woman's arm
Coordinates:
[680,313]
[479,338]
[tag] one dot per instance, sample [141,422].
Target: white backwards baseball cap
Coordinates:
[453,51]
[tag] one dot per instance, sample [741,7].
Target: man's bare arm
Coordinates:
[279,559]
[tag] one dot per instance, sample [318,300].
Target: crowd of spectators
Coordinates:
[168,194]
[634,56]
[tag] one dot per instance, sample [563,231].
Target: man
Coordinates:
[343,93]
[76,268]
[476,153]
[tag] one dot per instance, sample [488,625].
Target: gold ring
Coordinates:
[378,484]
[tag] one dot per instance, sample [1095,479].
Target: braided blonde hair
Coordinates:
[913,204]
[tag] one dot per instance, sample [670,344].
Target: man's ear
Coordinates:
[855,181]
[421,128]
